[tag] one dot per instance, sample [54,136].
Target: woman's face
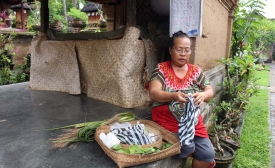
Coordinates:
[181,51]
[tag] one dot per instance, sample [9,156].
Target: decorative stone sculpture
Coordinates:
[78,24]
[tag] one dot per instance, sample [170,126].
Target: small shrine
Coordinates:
[94,12]
[21,13]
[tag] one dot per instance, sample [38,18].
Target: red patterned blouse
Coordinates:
[194,81]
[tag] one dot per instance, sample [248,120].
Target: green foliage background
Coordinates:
[56,12]
[251,31]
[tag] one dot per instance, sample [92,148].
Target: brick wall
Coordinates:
[214,29]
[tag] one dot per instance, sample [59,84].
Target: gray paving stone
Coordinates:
[272,112]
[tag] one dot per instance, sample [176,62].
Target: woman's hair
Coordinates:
[177,35]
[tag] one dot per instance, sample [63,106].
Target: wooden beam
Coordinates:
[123,14]
[44,16]
[115,9]
[22,17]
[131,13]
[229,4]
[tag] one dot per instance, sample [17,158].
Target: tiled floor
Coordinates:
[24,116]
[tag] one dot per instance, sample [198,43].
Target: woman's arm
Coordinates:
[157,94]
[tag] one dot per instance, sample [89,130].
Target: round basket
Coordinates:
[127,160]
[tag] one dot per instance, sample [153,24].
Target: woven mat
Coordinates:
[109,70]
[151,59]
[54,66]
[112,70]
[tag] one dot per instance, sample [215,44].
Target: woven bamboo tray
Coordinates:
[126,160]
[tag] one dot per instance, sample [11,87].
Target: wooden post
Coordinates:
[22,17]
[44,16]
[131,13]
[123,14]
[115,16]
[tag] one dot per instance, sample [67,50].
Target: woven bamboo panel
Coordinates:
[112,70]
[54,66]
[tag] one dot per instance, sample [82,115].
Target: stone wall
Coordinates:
[215,76]
[23,44]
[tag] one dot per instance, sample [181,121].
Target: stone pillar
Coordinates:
[229,33]
[229,27]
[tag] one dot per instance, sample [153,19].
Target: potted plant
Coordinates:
[224,154]
[238,85]
[80,19]
[57,25]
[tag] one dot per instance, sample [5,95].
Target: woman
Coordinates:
[172,81]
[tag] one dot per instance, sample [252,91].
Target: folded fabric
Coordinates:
[133,135]
[188,121]
[177,109]
[120,125]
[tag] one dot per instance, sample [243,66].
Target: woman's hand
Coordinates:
[180,97]
[156,93]
[204,96]
[199,98]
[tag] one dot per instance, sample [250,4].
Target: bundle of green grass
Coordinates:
[85,132]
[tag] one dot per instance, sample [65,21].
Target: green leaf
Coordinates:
[116,147]
[136,149]
[123,151]
[166,145]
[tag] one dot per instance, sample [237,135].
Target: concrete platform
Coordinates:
[24,113]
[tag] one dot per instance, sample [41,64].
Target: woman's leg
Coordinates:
[199,163]
[186,150]
[204,153]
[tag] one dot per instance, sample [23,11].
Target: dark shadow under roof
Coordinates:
[91,7]
[25,6]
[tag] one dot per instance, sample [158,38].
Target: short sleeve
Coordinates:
[157,75]
[201,80]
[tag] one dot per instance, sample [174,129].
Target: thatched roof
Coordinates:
[18,6]
[91,7]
